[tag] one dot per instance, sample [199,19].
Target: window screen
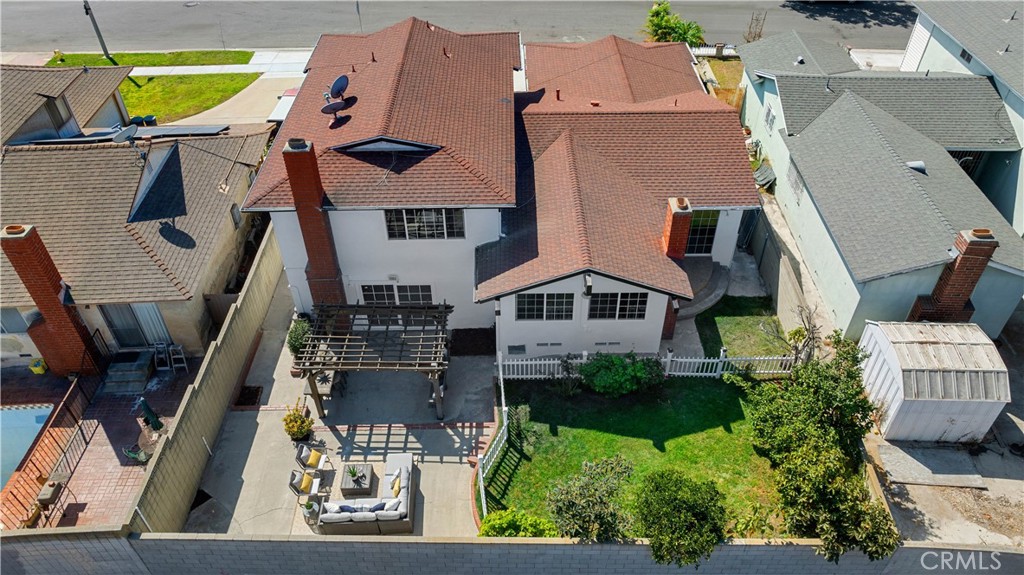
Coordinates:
[414,294]
[603,305]
[632,305]
[702,232]
[529,306]
[558,306]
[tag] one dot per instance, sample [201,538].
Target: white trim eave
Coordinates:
[378,208]
[575,273]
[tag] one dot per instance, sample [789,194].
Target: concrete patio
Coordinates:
[379,413]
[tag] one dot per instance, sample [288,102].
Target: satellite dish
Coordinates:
[334,107]
[339,86]
[125,134]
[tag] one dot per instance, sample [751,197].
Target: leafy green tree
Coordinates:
[297,335]
[824,497]
[514,523]
[683,519]
[663,25]
[587,505]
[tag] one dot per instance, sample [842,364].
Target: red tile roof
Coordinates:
[586,215]
[612,69]
[414,82]
[595,179]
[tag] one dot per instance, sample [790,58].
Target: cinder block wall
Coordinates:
[174,474]
[174,554]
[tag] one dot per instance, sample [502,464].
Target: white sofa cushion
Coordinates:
[388,515]
[335,517]
[363,516]
[392,504]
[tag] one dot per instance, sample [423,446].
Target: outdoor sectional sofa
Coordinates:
[362,521]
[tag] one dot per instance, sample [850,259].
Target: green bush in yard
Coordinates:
[683,519]
[297,335]
[513,523]
[617,375]
[587,505]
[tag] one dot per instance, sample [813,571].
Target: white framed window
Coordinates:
[628,305]
[769,118]
[425,224]
[58,110]
[517,350]
[418,294]
[541,306]
[702,232]
[11,321]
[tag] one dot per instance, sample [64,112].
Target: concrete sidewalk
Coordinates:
[270,63]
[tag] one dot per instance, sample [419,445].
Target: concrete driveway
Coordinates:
[250,106]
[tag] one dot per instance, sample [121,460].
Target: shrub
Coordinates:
[683,519]
[296,424]
[587,506]
[616,375]
[513,523]
[568,383]
[665,26]
[297,335]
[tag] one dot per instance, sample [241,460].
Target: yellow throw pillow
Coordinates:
[307,483]
[398,488]
[314,458]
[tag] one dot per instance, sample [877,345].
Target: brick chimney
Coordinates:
[322,271]
[60,334]
[950,301]
[677,227]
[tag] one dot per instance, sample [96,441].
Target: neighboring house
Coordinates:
[123,239]
[542,208]
[789,81]
[43,103]
[880,211]
[986,39]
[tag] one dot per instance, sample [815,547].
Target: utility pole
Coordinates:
[88,12]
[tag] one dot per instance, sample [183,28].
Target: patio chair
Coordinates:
[304,483]
[310,458]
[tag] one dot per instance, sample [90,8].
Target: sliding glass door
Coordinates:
[135,325]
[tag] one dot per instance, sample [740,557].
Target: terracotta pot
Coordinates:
[296,372]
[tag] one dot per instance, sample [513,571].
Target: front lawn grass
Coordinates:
[187,58]
[171,98]
[735,323]
[694,424]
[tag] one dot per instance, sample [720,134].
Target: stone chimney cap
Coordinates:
[982,234]
[297,145]
[16,230]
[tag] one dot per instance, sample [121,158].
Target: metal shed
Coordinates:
[934,381]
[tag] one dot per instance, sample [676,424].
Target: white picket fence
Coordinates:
[543,368]
[710,50]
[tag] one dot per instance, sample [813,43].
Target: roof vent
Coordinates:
[917,166]
[1004,50]
[799,61]
[595,103]
[447,54]
[1012,17]
[558,95]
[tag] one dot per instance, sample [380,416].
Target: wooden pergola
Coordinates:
[365,337]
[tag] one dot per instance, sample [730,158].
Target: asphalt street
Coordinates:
[168,25]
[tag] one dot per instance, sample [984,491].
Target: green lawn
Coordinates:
[188,58]
[697,425]
[734,322]
[727,72]
[171,98]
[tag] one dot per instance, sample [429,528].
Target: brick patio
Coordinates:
[104,483]
[22,387]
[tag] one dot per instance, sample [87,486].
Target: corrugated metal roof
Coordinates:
[955,361]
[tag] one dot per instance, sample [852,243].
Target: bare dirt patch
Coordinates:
[998,514]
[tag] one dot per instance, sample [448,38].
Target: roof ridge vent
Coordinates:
[917,166]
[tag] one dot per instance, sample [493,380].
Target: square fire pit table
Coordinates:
[349,487]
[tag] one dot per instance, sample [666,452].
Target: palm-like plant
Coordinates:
[665,26]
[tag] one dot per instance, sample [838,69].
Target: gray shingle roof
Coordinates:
[23,89]
[885,217]
[780,52]
[985,30]
[956,110]
[79,197]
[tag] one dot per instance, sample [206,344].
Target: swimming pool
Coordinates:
[19,425]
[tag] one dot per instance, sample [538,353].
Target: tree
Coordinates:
[683,519]
[665,26]
[513,523]
[586,505]
[800,342]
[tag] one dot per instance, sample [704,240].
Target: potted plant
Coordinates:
[297,422]
[296,338]
[356,475]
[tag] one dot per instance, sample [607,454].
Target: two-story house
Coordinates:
[561,213]
[985,39]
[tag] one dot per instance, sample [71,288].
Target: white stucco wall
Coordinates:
[367,256]
[757,96]
[891,298]
[724,246]
[581,334]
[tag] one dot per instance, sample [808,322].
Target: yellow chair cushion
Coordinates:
[314,458]
[397,488]
[307,483]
